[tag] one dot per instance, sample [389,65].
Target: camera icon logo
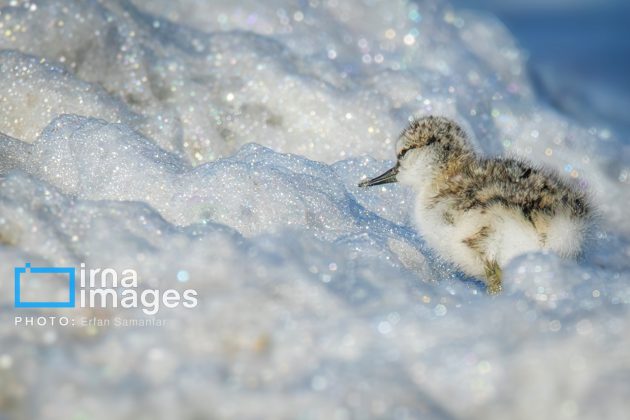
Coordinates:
[33,272]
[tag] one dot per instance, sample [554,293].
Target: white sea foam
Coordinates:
[225,140]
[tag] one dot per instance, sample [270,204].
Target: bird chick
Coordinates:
[480,212]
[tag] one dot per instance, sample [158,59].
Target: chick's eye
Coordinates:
[403,152]
[431,140]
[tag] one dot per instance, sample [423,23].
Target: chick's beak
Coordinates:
[386,178]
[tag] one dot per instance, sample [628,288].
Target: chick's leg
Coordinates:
[493,277]
[478,244]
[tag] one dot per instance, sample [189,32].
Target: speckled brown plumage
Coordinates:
[471,181]
[477,183]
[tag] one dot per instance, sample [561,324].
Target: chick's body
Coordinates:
[478,212]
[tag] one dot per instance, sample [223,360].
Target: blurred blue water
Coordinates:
[579,53]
